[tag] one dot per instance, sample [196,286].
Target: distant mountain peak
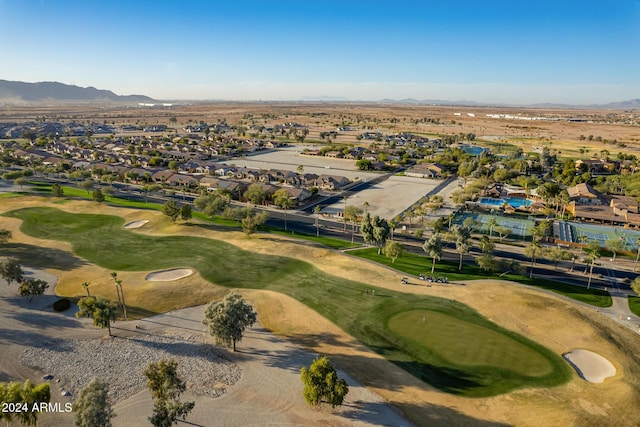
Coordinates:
[14,91]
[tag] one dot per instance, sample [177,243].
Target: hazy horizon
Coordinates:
[570,52]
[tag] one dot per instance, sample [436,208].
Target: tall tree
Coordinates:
[433,247]
[486,262]
[32,287]
[102,311]
[352,213]
[211,204]
[227,320]
[185,213]
[492,223]
[321,383]
[171,209]
[256,194]
[533,251]
[120,292]
[393,250]
[344,212]
[282,198]
[251,220]
[486,244]
[380,232]
[85,286]
[93,405]
[98,196]
[635,264]
[463,237]
[10,270]
[614,245]
[87,185]
[593,254]
[25,395]
[166,387]
[316,211]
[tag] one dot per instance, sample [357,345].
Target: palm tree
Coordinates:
[592,257]
[564,200]
[85,285]
[352,213]
[120,292]
[344,212]
[316,210]
[637,243]
[393,223]
[492,223]
[283,199]
[486,244]
[532,251]
[433,248]
[574,257]
[462,235]
[614,245]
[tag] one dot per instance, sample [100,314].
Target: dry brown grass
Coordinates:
[320,117]
[545,318]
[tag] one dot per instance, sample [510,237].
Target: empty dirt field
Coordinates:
[559,325]
[559,129]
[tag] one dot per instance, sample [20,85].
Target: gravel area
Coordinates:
[121,360]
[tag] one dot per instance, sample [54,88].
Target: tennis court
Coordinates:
[584,233]
[521,228]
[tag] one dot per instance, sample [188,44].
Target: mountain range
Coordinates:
[21,92]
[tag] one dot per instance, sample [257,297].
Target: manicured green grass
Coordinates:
[102,240]
[467,344]
[217,220]
[634,305]
[12,195]
[329,242]
[414,264]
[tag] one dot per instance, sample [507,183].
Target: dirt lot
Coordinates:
[553,322]
[560,135]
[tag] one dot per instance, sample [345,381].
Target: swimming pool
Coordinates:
[516,202]
[474,150]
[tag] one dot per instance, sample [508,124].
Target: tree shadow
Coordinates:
[429,414]
[43,320]
[41,257]
[175,345]
[25,338]
[448,380]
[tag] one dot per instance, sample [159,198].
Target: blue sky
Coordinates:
[490,51]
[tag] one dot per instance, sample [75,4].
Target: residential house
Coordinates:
[331,182]
[595,166]
[162,176]
[182,180]
[584,194]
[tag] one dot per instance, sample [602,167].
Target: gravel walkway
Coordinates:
[121,361]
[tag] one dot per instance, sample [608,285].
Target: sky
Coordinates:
[516,52]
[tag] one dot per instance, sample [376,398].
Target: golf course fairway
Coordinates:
[437,355]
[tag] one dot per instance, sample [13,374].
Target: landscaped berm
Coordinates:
[454,355]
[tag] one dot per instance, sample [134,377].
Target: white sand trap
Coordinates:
[169,275]
[136,224]
[590,366]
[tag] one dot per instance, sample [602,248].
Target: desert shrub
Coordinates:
[61,304]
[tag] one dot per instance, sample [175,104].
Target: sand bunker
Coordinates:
[590,366]
[136,224]
[169,275]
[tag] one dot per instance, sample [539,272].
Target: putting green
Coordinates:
[462,343]
[102,240]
